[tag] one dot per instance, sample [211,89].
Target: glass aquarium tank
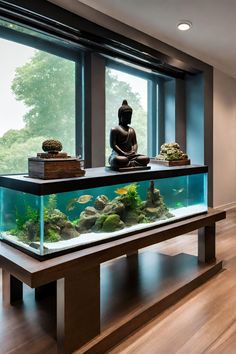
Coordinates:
[45,218]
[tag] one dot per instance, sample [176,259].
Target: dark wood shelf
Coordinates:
[136,289]
[94,178]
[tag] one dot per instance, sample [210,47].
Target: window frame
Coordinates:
[155,98]
[65,51]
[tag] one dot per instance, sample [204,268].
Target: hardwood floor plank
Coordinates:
[203,322]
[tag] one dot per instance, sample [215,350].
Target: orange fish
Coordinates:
[122,191]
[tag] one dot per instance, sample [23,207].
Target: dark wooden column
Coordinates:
[78,309]
[12,288]
[132,254]
[206,244]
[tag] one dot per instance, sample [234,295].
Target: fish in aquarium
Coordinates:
[179,205]
[121,191]
[83,199]
[126,209]
[178,191]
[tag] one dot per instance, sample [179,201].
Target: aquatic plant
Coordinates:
[56,224]
[52,202]
[52,236]
[75,221]
[20,220]
[131,198]
[31,214]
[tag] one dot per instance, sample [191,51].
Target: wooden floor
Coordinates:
[203,322]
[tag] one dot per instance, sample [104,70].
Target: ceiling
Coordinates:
[211,39]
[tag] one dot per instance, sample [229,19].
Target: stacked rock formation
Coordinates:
[171,152]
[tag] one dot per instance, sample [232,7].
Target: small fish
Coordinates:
[81,200]
[71,204]
[84,199]
[121,191]
[178,191]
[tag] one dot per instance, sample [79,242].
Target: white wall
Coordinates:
[224,111]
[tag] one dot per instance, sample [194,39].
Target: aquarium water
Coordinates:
[56,222]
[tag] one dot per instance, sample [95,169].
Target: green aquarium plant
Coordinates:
[32,214]
[52,236]
[52,202]
[56,224]
[129,196]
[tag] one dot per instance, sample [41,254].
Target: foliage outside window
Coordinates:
[37,99]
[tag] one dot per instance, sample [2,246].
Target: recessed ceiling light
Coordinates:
[184,25]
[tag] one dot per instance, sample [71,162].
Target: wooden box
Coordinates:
[54,168]
[171,163]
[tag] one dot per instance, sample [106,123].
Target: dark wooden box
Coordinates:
[54,168]
[171,163]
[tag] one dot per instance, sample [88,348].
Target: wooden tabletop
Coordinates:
[95,177]
[35,273]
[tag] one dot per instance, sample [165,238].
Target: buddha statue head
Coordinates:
[125,113]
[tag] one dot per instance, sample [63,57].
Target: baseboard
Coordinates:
[227,206]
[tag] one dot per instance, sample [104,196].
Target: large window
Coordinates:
[37,102]
[49,90]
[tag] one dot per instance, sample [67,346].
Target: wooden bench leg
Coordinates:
[12,288]
[206,244]
[78,309]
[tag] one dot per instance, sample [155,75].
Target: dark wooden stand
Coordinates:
[77,277]
[171,163]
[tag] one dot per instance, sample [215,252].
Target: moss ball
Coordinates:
[52,145]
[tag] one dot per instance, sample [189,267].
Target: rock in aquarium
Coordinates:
[52,163]
[125,210]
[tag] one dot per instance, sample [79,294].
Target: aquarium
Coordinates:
[85,211]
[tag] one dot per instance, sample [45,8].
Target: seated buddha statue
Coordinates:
[124,143]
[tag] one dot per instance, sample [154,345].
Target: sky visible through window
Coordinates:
[13,55]
[137,85]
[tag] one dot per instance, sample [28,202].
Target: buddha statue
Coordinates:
[124,143]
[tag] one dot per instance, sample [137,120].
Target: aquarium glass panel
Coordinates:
[52,223]
[20,219]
